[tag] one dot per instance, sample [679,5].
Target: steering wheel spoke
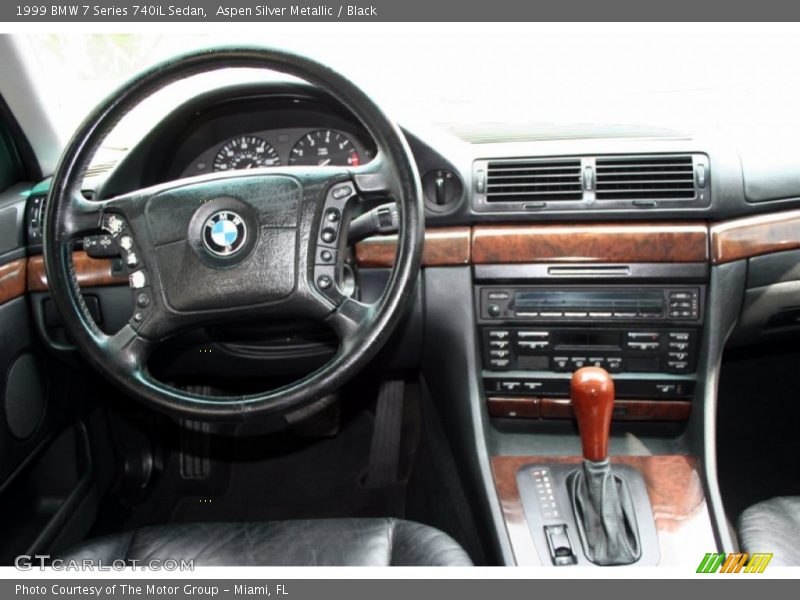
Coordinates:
[130,351]
[350,318]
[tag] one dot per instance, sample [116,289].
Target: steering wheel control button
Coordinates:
[324,282]
[326,256]
[224,233]
[332,215]
[342,191]
[113,224]
[126,243]
[131,259]
[143,300]
[137,280]
[328,235]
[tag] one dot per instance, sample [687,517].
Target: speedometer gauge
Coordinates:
[246,152]
[324,147]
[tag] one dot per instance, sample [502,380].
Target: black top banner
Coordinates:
[198,11]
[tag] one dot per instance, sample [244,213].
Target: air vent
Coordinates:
[645,177]
[534,181]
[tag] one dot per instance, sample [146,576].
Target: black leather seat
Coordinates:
[773,526]
[335,542]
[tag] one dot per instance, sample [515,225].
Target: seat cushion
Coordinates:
[773,526]
[334,542]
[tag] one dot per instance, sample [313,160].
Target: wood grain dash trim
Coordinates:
[91,272]
[631,243]
[12,280]
[445,246]
[753,236]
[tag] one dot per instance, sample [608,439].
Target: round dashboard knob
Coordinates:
[494,310]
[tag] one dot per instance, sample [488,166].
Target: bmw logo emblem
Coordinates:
[224,233]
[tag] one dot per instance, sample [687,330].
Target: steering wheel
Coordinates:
[265,243]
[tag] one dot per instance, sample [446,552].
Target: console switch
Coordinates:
[559,545]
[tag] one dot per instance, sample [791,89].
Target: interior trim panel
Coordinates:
[12,280]
[754,236]
[443,246]
[91,272]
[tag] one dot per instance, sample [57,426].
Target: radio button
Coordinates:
[533,334]
[526,313]
[498,344]
[494,310]
[597,361]
[679,345]
[509,386]
[498,295]
[500,363]
[679,355]
[677,365]
[498,353]
[680,336]
[533,345]
[643,345]
[682,296]
[531,386]
[560,363]
[601,315]
[650,336]
[546,315]
[624,314]
[575,315]
[578,361]
[499,334]
[614,363]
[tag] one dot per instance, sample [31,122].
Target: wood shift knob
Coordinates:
[592,393]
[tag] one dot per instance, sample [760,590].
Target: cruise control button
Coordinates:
[326,256]
[324,282]
[126,242]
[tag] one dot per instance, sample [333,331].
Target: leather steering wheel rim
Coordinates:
[363,329]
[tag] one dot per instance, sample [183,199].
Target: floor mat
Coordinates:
[758,446]
[279,477]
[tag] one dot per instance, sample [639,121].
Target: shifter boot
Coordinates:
[604,512]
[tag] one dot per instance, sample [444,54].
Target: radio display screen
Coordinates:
[588,299]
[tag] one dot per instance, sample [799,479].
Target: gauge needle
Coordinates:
[325,163]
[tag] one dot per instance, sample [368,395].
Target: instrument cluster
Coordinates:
[281,147]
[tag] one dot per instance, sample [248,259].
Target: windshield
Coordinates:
[554,80]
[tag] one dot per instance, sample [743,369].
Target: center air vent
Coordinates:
[645,177]
[534,180]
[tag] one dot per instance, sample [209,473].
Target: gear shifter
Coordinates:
[601,500]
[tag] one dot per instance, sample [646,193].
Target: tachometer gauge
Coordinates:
[246,152]
[323,148]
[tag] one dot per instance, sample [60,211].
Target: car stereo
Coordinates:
[646,329]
